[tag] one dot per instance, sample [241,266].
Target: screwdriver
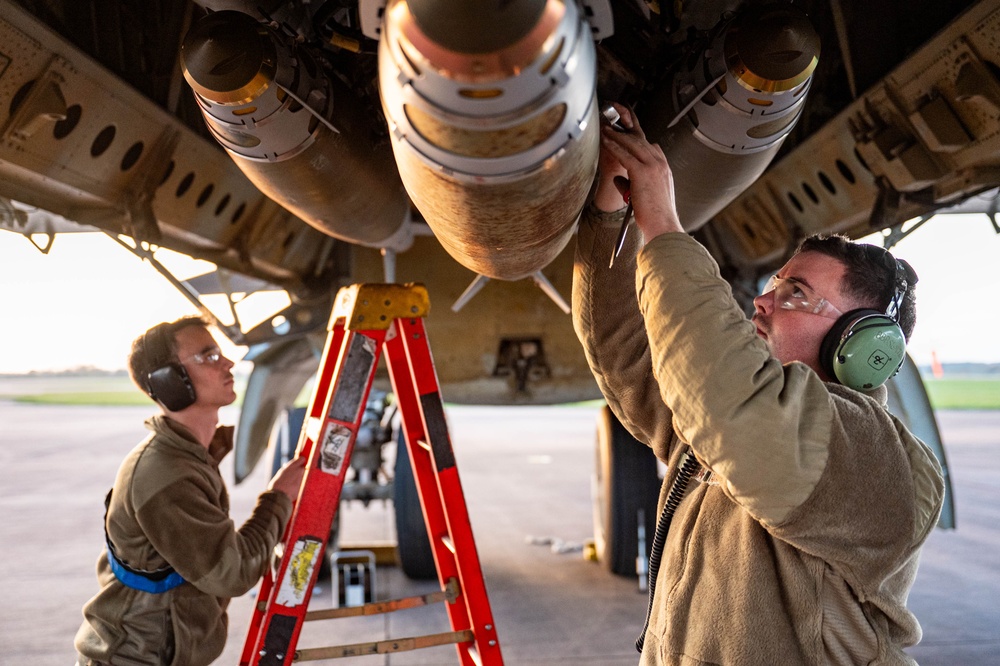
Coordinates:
[627,196]
[612,116]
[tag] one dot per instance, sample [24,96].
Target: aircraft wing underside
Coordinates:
[366,141]
[98,130]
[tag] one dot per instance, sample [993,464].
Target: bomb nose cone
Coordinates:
[493,120]
[476,26]
[227,57]
[777,44]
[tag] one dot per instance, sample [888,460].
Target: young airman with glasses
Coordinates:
[794,505]
[173,557]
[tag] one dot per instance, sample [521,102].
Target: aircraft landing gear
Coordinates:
[368,482]
[625,483]
[415,556]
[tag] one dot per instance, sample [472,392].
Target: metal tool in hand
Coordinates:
[620,241]
[613,118]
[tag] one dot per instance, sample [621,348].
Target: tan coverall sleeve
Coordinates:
[192,532]
[607,321]
[764,428]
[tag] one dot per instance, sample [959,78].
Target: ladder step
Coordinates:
[448,543]
[449,594]
[384,647]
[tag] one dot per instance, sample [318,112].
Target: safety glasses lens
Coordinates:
[790,294]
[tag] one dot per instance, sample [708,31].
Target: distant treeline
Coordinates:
[81,371]
[958,369]
[948,369]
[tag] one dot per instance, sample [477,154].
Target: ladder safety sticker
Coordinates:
[437,431]
[333,448]
[353,383]
[304,557]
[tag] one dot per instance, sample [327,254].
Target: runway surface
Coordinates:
[526,473]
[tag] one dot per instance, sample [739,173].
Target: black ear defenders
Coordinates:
[865,348]
[169,384]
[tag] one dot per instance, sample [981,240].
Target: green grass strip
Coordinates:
[95,398]
[91,399]
[963,393]
[968,393]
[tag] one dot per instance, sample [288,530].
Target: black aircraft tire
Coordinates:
[626,481]
[415,556]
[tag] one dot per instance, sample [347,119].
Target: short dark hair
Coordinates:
[156,348]
[872,275]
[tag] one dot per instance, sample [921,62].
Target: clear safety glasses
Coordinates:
[207,357]
[790,294]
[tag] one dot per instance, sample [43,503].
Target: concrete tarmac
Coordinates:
[526,472]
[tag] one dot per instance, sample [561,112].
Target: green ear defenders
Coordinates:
[865,348]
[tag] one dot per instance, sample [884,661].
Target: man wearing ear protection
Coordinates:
[794,505]
[173,557]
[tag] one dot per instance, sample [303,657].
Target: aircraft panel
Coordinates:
[510,344]
[926,135]
[78,141]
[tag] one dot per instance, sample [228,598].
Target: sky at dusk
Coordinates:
[84,302]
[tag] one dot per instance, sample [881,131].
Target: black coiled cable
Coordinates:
[689,465]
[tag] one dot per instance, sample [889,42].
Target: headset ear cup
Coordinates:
[171,387]
[831,342]
[869,351]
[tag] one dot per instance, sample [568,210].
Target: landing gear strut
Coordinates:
[626,485]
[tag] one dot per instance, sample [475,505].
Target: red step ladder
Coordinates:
[366,319]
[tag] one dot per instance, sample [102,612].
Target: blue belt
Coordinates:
[151,582]
[154,582]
